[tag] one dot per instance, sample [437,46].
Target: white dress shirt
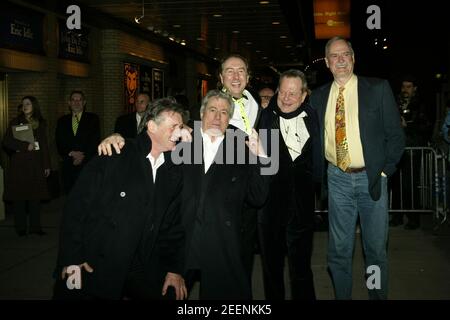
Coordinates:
[155,163]
[210,149]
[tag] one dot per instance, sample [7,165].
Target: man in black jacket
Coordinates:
[121,223]
[127,125]
[286,222]
[77,135]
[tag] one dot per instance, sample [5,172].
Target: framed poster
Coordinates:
[145,80]
[157,84]
[131,83]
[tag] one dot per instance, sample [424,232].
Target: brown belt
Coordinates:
[355,170]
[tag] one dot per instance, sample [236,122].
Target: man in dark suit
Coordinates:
[363,141]
[216,192]
[286,222]
[127,125]
[122,223]
[77,135]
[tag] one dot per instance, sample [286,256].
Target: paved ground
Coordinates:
[419,262]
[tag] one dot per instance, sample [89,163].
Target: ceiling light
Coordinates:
[200,39]
[249,42]
[138,19]
[235,31]
[288,47]
[217,15]
[264,2]
[275,22]
[283,37]
[183,42]
[176,26]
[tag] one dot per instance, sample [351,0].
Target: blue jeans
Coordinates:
[348,196]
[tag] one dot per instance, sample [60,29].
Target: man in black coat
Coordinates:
[362,140]
[219,183]
[121,223]
[77,135]
[127,125]
[286,222]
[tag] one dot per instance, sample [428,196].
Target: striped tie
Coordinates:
[342,155]
[75,123]
[243,113]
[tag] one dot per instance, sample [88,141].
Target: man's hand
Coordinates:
[30,147]
[115,140]
[182,134]
[254,144]
[84,266]
[77,157]
[177,282]
[46,172]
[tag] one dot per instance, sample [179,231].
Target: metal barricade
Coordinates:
[419,185]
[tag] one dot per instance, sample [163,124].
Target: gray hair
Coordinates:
[219,95]
[334,39]
[157,108]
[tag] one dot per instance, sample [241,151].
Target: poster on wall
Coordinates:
[157,84]
[145,79]
[21,29]
[131,83]
[73,45]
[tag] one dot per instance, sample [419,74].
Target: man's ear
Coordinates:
[152,126]
[326,62]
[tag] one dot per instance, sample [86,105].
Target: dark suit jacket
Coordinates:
[126,125]
[86,140]
[381,134]
[213,209]
[295,180]
[116,214]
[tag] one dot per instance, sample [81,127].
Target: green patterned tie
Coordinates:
[75,123]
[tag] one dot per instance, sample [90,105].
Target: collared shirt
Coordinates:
[210,149]
[138,120]
[351,123]
[251,108]
[295,134]
[155,163]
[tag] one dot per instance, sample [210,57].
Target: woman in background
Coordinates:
[25,183]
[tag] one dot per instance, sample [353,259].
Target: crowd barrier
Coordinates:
[418,186]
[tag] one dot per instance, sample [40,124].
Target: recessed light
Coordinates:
[264,58]
[176,25]
[217,15]
[288,47]
[258,51]
[235,31]
[283,37]
[264,2]
[249,42]
[275,22]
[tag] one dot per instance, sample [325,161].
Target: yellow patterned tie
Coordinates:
[342,155]
[243,113]
[75,123]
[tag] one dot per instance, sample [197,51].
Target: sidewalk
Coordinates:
[419,262]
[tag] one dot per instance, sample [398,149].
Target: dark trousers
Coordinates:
[21,208]
[296,239]
[70,174]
